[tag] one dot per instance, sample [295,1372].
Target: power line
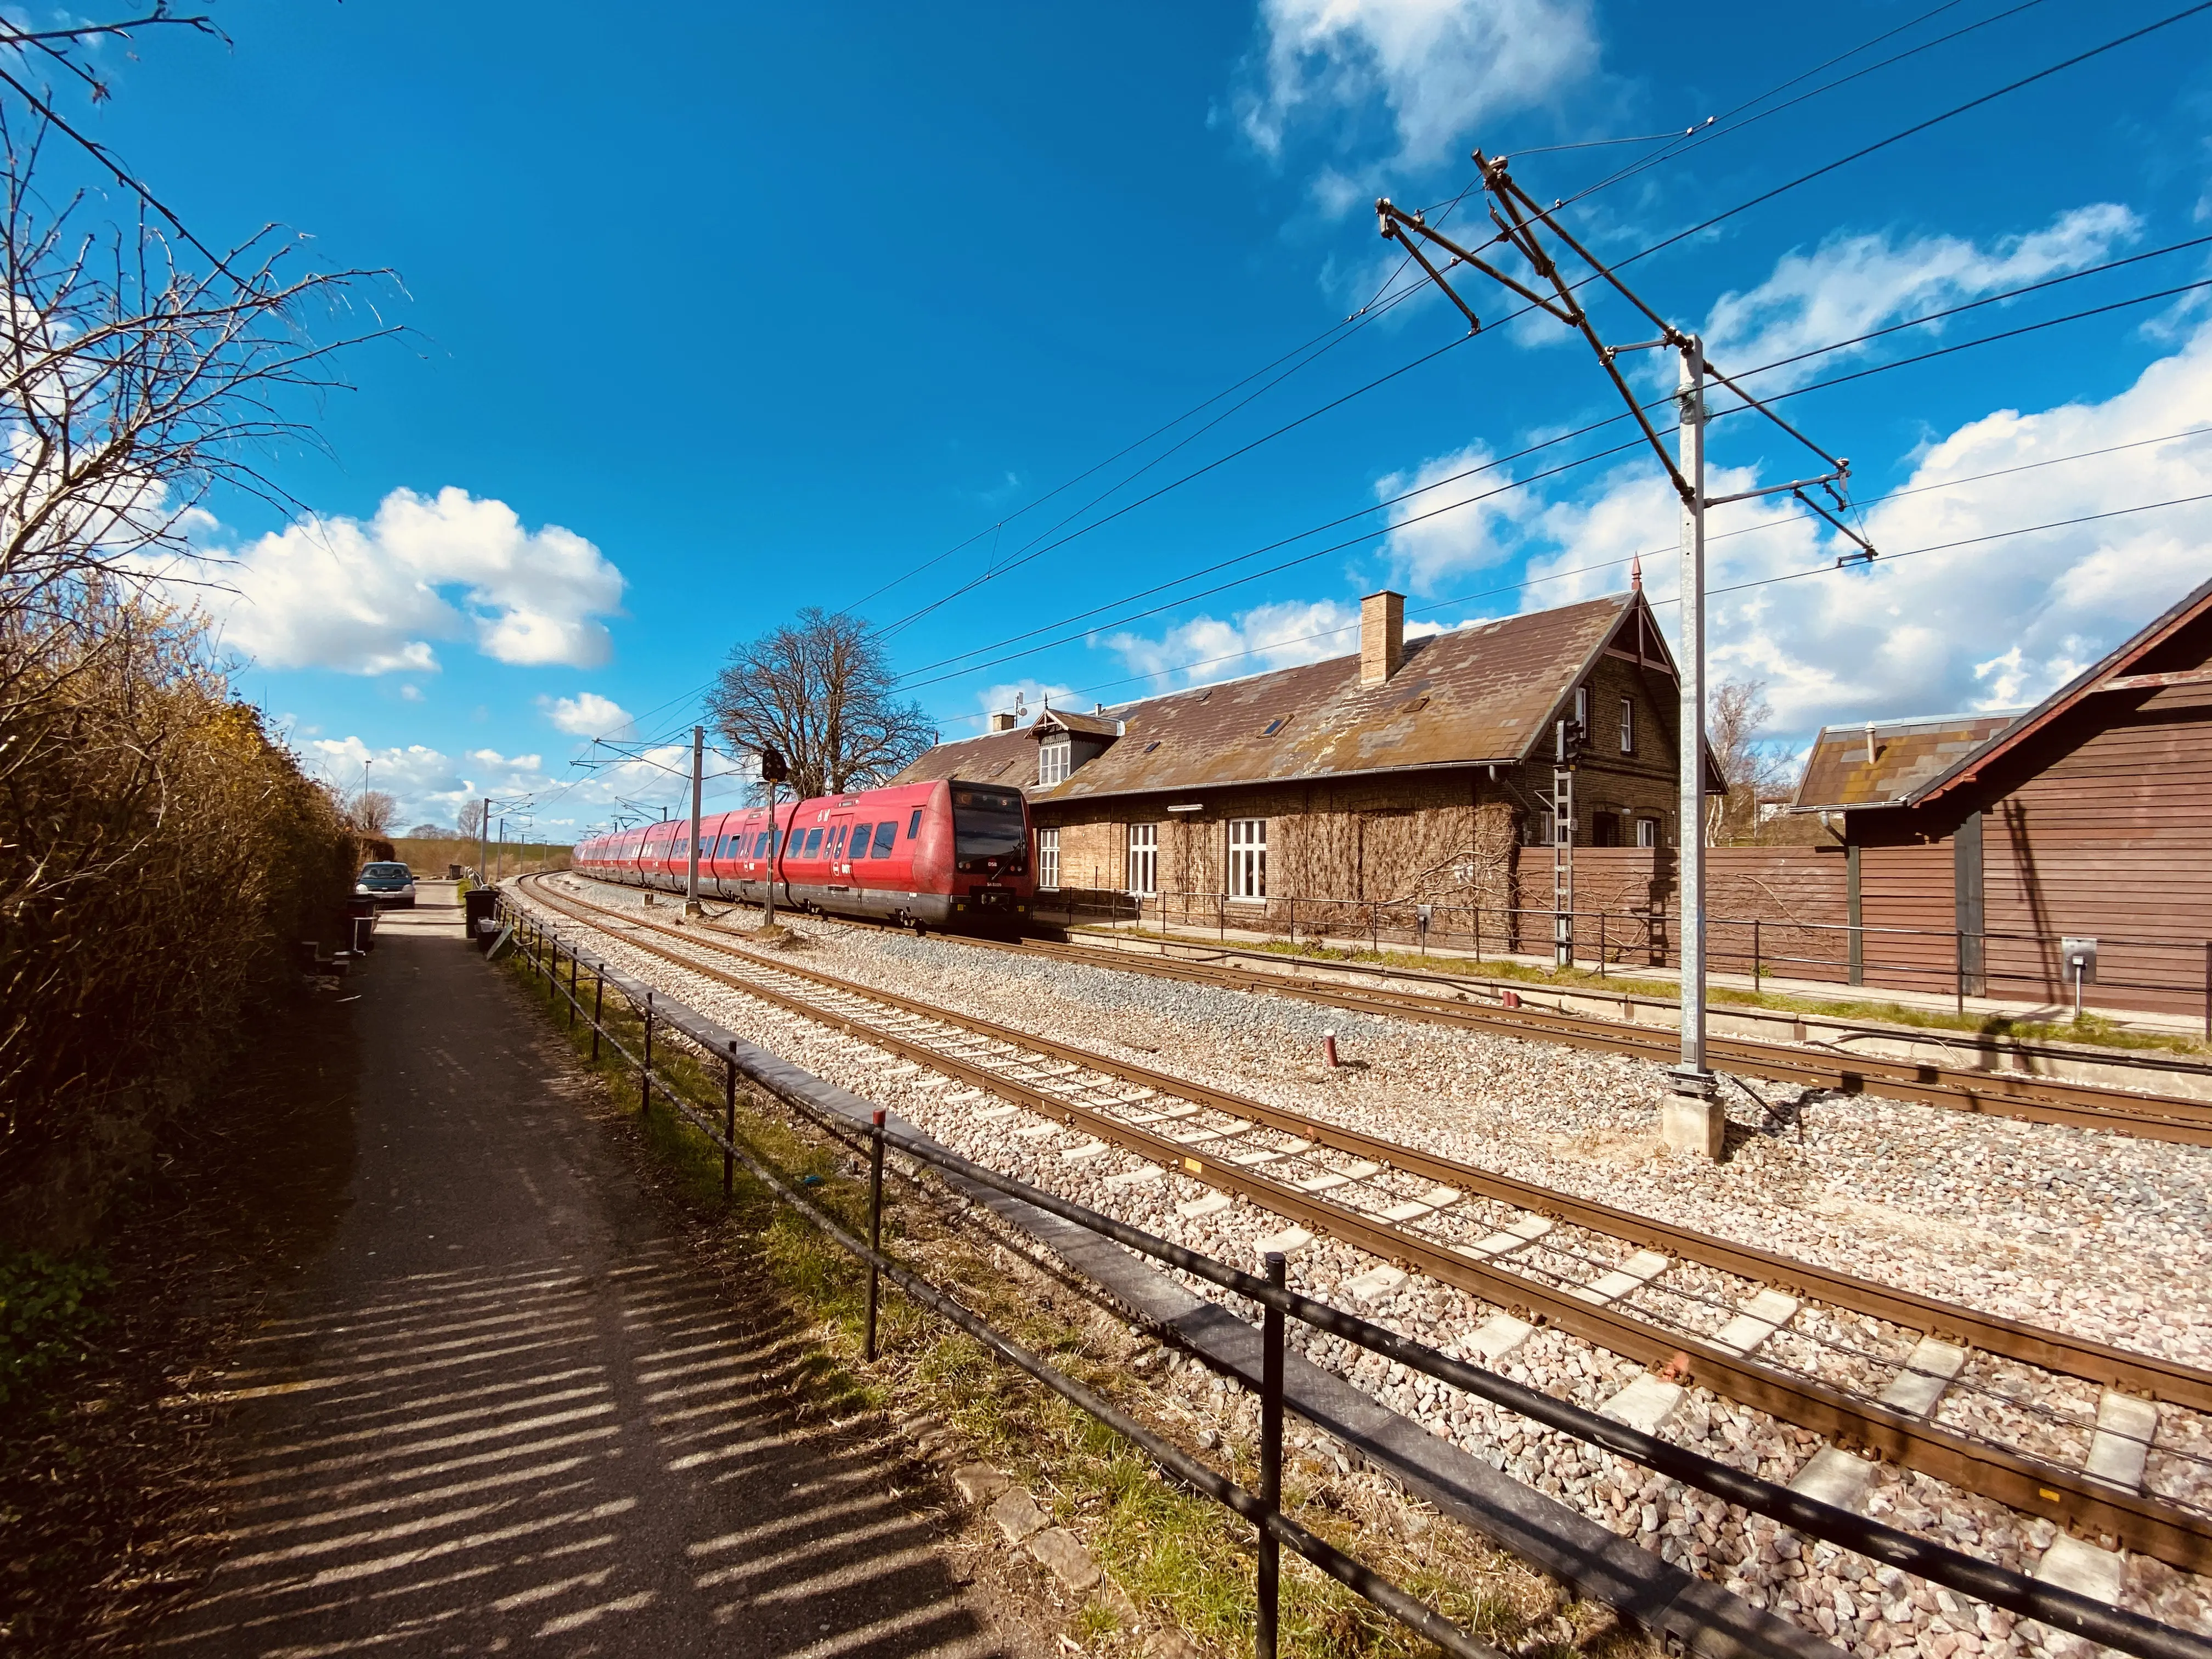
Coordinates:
[1918,127]
[1614,564]
[913,684]
[1360,319]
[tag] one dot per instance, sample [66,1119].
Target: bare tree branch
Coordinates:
[822,691]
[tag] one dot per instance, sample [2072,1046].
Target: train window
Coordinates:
[913,824]
[813,843]
[886,832]
[858,847]
[989,825]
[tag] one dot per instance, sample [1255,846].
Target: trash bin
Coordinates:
[453,872]
[361,924]
[483,906]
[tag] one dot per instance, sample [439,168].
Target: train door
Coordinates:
[835,849]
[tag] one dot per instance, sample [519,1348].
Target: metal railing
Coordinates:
[1960,961]
[544,950]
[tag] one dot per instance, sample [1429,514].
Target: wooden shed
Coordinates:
[1988,841]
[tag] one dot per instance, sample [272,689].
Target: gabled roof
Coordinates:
[1095,725]
[1881,763]
[1930,763]
[1476,695]
[2167,626]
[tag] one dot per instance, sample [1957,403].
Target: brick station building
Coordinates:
[1414,771]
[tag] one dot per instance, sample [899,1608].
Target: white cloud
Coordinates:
[1991,624]
[587,715]
[433,785]
[369,598]
[1034,695]
[1266,636]
[1439,67]
[1432,537]
[1851,285]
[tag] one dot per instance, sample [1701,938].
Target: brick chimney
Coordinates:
[1382,636]
[1002,722]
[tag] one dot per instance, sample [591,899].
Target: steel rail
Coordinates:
[2032,1485]
[1939,1564]
[2040,1100]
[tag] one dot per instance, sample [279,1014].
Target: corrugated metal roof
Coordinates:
[1906,753]
[1473,696]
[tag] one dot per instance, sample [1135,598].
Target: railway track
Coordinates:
[2019,1094]
[1869,1366]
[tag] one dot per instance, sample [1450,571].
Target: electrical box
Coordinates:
[2080,956]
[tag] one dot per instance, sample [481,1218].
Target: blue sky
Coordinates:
[738,310]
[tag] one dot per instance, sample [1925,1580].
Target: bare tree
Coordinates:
[371,812]
[822,691]
[472,818]
[1757,769]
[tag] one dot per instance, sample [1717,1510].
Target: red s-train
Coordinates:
[922,854]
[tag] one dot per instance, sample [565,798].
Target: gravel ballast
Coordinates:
[2096,1234]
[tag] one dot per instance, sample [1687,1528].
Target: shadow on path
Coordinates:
[505,1414]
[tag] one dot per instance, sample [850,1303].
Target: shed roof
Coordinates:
[1906,753]
[2190,608]
[1930,763]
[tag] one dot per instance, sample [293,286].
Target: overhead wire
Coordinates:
[1776,522]
[913,684]
[1924,125]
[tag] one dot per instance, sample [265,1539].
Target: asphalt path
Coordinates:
[503,1412]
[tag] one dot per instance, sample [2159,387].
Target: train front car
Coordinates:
[992,884]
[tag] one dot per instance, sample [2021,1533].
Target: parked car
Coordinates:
[387,883]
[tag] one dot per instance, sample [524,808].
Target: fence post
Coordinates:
[572,988]
[1755,972]
[875,1223]
[729,1121]
[645,1065]
[598,1007]
[1270,1459]
[1600,944]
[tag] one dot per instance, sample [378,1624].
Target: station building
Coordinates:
[1415,770]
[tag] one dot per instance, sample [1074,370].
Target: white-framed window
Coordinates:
[1627,726]
[1647,832]
[1052,761]
[1048,858]
[1144,858]
[1582,708]
[1248,858]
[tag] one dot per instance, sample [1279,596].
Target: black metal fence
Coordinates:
[2174,974]
[547,952]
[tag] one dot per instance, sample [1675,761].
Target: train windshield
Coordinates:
[989,824]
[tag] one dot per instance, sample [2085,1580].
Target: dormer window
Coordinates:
[1053,756]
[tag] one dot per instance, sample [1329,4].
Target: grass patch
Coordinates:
[1183,1561]
[2089,1029]
[49,1306]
